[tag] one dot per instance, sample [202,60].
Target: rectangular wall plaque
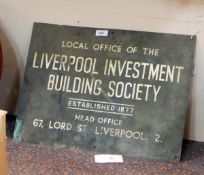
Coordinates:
[114,91]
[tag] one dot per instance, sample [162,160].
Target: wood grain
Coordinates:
[1,61]
[3,157]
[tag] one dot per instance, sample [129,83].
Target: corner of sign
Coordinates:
[17,130]
[178,159]
[35,24]
[193,37]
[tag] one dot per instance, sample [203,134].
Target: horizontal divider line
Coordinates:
[99,111]
[100,102]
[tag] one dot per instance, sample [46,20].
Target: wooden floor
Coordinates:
[28,159]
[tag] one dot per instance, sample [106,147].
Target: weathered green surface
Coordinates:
[122,93]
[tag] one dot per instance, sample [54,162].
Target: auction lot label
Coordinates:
[113,91]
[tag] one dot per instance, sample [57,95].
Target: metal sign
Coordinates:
[114,91]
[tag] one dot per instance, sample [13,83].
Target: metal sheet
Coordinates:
[114,91]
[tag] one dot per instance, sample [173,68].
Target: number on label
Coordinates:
[38,123]
[157,138]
